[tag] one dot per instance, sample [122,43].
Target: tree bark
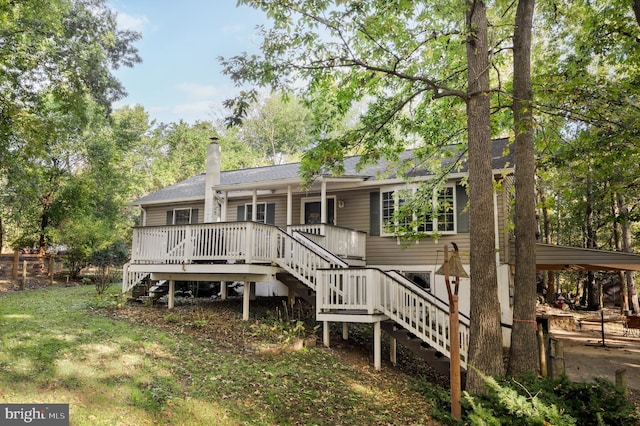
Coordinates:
[546,227]
[631,296]
[485,346]
[593,294]
[523,354]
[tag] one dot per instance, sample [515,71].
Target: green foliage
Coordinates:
[277,129]
[110,301]
[282,328]
[534,401]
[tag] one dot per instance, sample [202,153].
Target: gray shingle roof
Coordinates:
[193,188]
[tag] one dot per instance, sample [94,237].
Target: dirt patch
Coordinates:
[589,353]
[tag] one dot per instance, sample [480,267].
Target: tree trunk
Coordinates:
[593,293]
[485,346]
[631,295]
[523,354]
[546,227]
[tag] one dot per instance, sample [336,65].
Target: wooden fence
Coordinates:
[21,265]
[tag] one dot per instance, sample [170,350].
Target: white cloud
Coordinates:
[194,108]
[233,29]
[133,23]
[199,91]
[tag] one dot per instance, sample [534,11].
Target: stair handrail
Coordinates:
[131,279]
[443,304]
[302,257]
[318,249]
[396,297]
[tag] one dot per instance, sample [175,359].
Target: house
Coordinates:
[333,243]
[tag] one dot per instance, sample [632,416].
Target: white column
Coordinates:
[393,349]
[225,202]
[289,206]
[325,333]
[345,331]
[245,301]
[223,290]
[323,202]
[172,294]
[377,346]
[144,217]
[254,208]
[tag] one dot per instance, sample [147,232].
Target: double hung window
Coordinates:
[261,212]
[441,218]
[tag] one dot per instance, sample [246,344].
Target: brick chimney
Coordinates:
[211,206]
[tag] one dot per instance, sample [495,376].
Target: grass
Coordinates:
[194,366]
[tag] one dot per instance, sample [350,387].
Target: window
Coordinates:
[421,279]
[265,213]
[443,218]
[261,212]
[182,216]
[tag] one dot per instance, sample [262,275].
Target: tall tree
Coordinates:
[485,346]
[396,61]
[64,48]
[277,129]
[523,349]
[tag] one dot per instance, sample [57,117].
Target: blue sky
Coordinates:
[180,77]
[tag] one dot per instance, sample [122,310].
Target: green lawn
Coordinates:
[194,366]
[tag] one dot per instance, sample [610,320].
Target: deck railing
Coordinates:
[344,242]
[338,288]
[250,242]
[373,291]
[239,241]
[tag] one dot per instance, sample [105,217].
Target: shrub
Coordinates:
[530,400]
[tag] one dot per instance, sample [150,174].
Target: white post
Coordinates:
[393,349]
[377,347]
[289,206]
[223,290]
[225,201]
[323,202]
[325,333]
[245,301]
[345,331]
[254,208]
[172,294]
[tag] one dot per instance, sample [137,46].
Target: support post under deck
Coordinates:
[172,294]
[325,333]
[245,301]
[377,346]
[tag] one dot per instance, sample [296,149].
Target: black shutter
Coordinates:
[462,213]
[374,214]
[240,216]
[194,215]
[169,217]
[271,214]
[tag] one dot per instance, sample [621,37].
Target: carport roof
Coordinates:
[563,258]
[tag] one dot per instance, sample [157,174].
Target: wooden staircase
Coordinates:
[434,358]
